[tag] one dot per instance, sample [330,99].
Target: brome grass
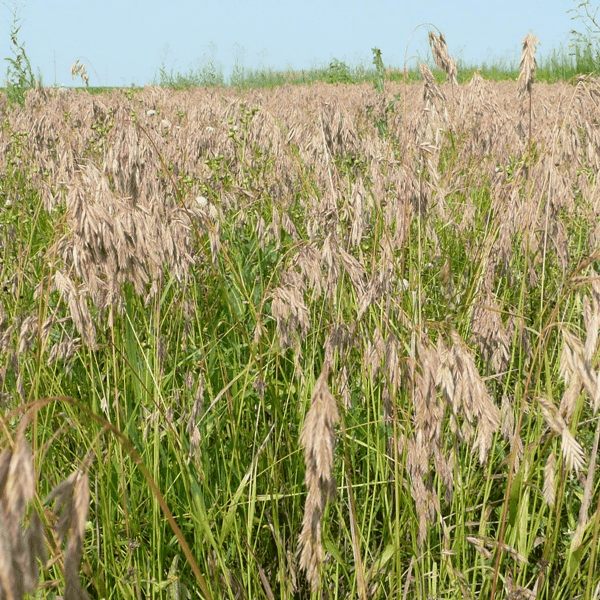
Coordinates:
[255,345]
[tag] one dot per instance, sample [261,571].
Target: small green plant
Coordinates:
[379,81]
[380,113]
[338,72]
[19,75]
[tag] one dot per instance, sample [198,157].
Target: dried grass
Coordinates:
[442,58]
[22,536]
[528,65]
[573,454]
[318,439]
[130,221]
[19,548]
[72,498]
[527,68]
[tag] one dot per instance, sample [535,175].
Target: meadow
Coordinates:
[336,340]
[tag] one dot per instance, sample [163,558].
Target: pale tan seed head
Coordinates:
[528,65]
[20,544]
[441,57]
[318,439]
[549,488]
[72,503]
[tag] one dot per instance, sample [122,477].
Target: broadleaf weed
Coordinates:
[19,74]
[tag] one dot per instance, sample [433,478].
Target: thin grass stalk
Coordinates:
[513,458]
[358,561]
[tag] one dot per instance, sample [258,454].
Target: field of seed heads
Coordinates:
[321,341]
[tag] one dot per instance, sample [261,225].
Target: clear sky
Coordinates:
[125,41]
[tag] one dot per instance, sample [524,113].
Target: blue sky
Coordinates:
[125,41]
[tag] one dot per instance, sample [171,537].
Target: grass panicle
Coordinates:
[441,57]
[318,439]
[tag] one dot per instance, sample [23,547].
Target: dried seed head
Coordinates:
[318,439]
[431,91]
[72,502]
[19,549]
[549,489]
[528,65]
[490,334]
[442,58]
[573,454]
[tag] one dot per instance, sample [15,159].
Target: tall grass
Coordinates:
[254,344]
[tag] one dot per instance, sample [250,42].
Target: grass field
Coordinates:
[336,340]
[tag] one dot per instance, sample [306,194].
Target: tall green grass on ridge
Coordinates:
[560,64]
